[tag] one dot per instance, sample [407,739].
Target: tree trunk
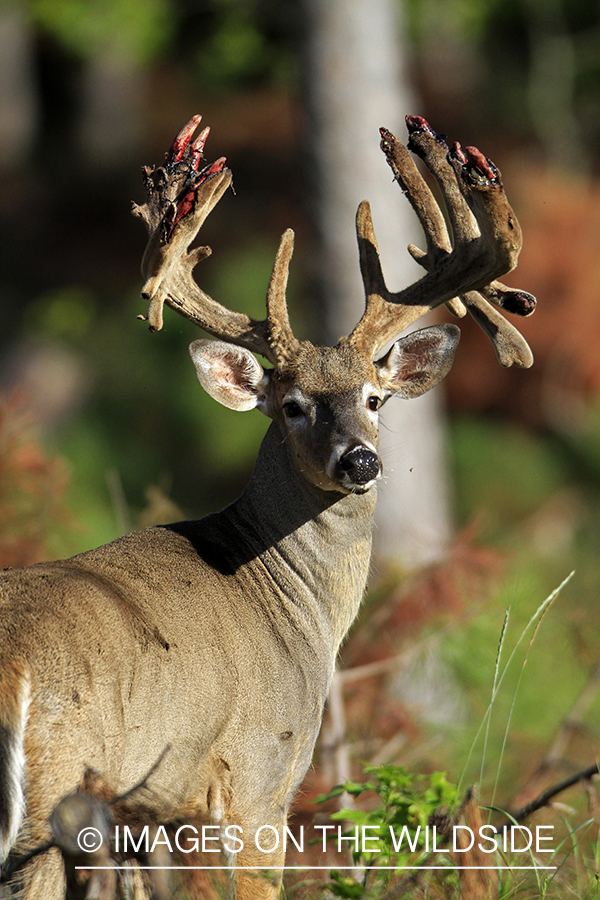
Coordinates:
[356,83]
[112,99]
[18,94]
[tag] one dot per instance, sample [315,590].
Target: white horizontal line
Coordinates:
[320,868]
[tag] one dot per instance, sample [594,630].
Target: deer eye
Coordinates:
[292,409]
[373,403]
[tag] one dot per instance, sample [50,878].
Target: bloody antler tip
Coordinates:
[458,153]
[478,168]
[183,138]
[387,141]
[418,123]
[419,132]
[477,159]
[216,167]
[197,148]
[188,129]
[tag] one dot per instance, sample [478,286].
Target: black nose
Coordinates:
[360,464]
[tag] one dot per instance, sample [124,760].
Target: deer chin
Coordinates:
[343,485]
[350,488]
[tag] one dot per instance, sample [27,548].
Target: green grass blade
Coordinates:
[537,614]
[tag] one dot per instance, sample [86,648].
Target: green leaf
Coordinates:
[358,816]
[344,885]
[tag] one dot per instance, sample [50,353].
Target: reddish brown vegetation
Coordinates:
[560,264]
[32,487]
[430,595]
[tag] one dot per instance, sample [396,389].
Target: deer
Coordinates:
[211,644]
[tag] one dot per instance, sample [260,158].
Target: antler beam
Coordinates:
[180,197]
[463,259]
[486,244]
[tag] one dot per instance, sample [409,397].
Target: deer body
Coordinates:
[149,621]
[211,644]
[128,651]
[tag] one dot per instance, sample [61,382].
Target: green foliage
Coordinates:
[504,469]
[537,497]
[345,886]
[393,798]
[236,49]
[467,19]
[405,805]
[546,52]
[135,29]
[145,417]
[68,312]
[235,40]
[245,42]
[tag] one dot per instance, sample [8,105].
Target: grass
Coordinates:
[393,798]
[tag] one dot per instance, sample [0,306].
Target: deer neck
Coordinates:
[316,544]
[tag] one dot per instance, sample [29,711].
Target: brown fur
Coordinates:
[209,643]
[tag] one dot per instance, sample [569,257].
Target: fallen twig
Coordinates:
[544,798]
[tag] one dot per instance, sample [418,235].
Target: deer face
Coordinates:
[326,400]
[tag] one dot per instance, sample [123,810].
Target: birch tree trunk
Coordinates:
[355,84]
[18,95]
[113,90]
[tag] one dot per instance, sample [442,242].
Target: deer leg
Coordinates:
[262,882]
[43,877]
[257,867]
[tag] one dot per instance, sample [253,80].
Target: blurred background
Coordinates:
[493,481]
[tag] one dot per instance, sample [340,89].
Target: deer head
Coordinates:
[326,400]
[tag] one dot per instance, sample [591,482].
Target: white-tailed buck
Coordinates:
[215,640]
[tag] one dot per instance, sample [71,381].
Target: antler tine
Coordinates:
[511,347]
[280,336]
[179,199]
[391,320]
[487,241]
[380,321]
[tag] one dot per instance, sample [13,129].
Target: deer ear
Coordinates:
[231,375]
[418,361]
